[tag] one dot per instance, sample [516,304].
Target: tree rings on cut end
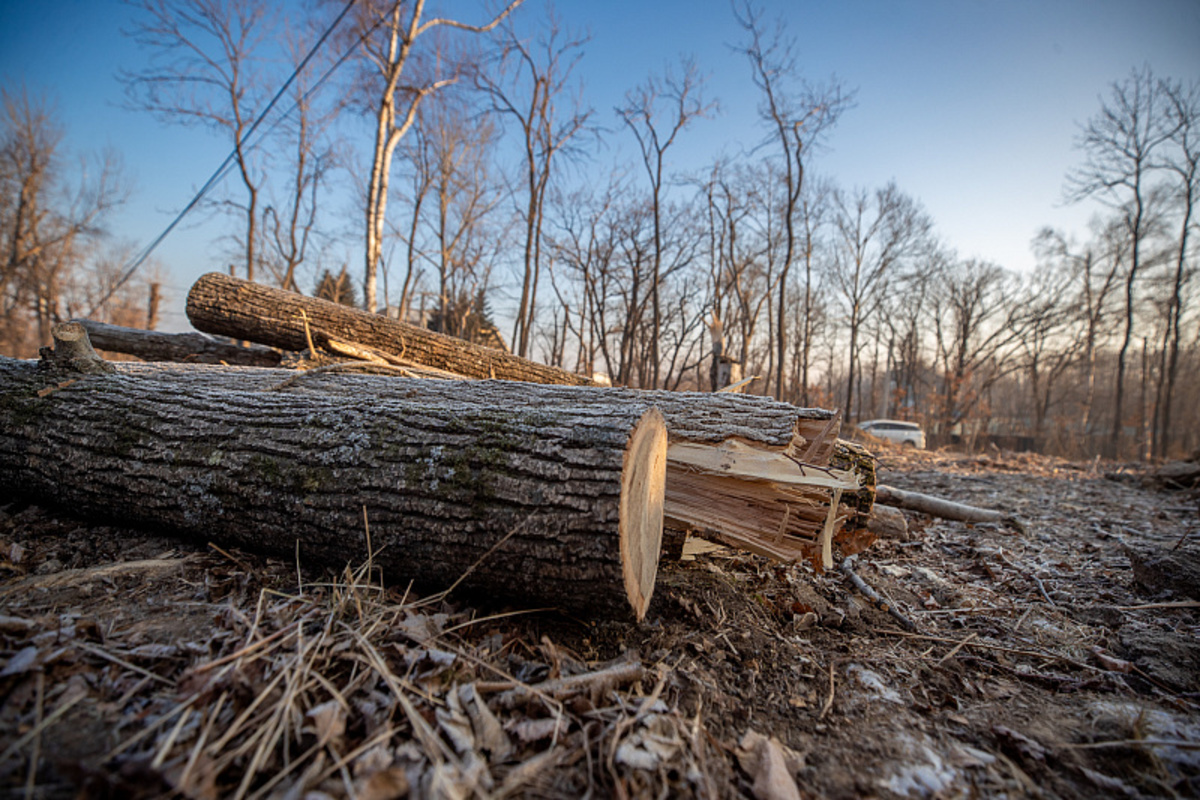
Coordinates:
[643,483]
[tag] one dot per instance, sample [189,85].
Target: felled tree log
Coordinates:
[548,505]
[194,348]
[750,471]
[227,306]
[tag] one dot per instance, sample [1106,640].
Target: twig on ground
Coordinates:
[847,569]
[1148,606]
[957,647]
[1182,744]
[1045,655]
[615,675]
[828,700]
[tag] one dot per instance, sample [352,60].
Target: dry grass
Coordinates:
[350,688]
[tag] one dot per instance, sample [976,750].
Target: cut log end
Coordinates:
[643,484]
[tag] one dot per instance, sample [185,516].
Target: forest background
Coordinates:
[466,167]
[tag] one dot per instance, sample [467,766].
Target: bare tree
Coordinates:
[1120,145]
[574,242]
[875,234]
[680,99]
[290,223]
[207,69]
[903,313]
[1096,275]
[465,194]
[976,321]
[797,118]
[531,79]
[1183,118]
[390,30]
[1046,345]
[47,219]
[813,207]
[742,233]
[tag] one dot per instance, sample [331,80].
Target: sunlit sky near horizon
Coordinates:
[970,106]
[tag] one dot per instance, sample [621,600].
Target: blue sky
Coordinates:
[971,106]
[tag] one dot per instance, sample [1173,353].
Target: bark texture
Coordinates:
[765,483]
[227,306]
[806,433]
[441,482]
[192,348]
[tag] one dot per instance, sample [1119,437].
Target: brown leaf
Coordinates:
[387,784]
[489,734]
[328,721]
[765,760]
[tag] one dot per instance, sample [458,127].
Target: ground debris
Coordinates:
[1040,665]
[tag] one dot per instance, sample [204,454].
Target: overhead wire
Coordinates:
[242,144]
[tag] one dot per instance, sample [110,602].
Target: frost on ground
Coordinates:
[1059,662]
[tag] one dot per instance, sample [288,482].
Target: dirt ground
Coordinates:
[1058,661]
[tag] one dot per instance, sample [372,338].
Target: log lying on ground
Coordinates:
[551,505]
[227,306]
[194,348]
[751,471]
[946,509]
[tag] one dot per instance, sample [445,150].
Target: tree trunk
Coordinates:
[195,348]
[541,504]
[748,470]
[229,307]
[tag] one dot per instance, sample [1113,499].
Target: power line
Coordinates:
[227,164]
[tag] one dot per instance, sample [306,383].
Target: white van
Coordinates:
[908,434]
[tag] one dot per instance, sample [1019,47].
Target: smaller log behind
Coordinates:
[579,492]
[239,309]
[194,348]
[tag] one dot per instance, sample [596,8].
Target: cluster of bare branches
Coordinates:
[55,261]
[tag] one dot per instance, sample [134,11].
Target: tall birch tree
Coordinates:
[390,30]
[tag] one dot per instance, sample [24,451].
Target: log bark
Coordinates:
[807,434]
[227,306]
[570,500]
[747,470]
[194,348]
